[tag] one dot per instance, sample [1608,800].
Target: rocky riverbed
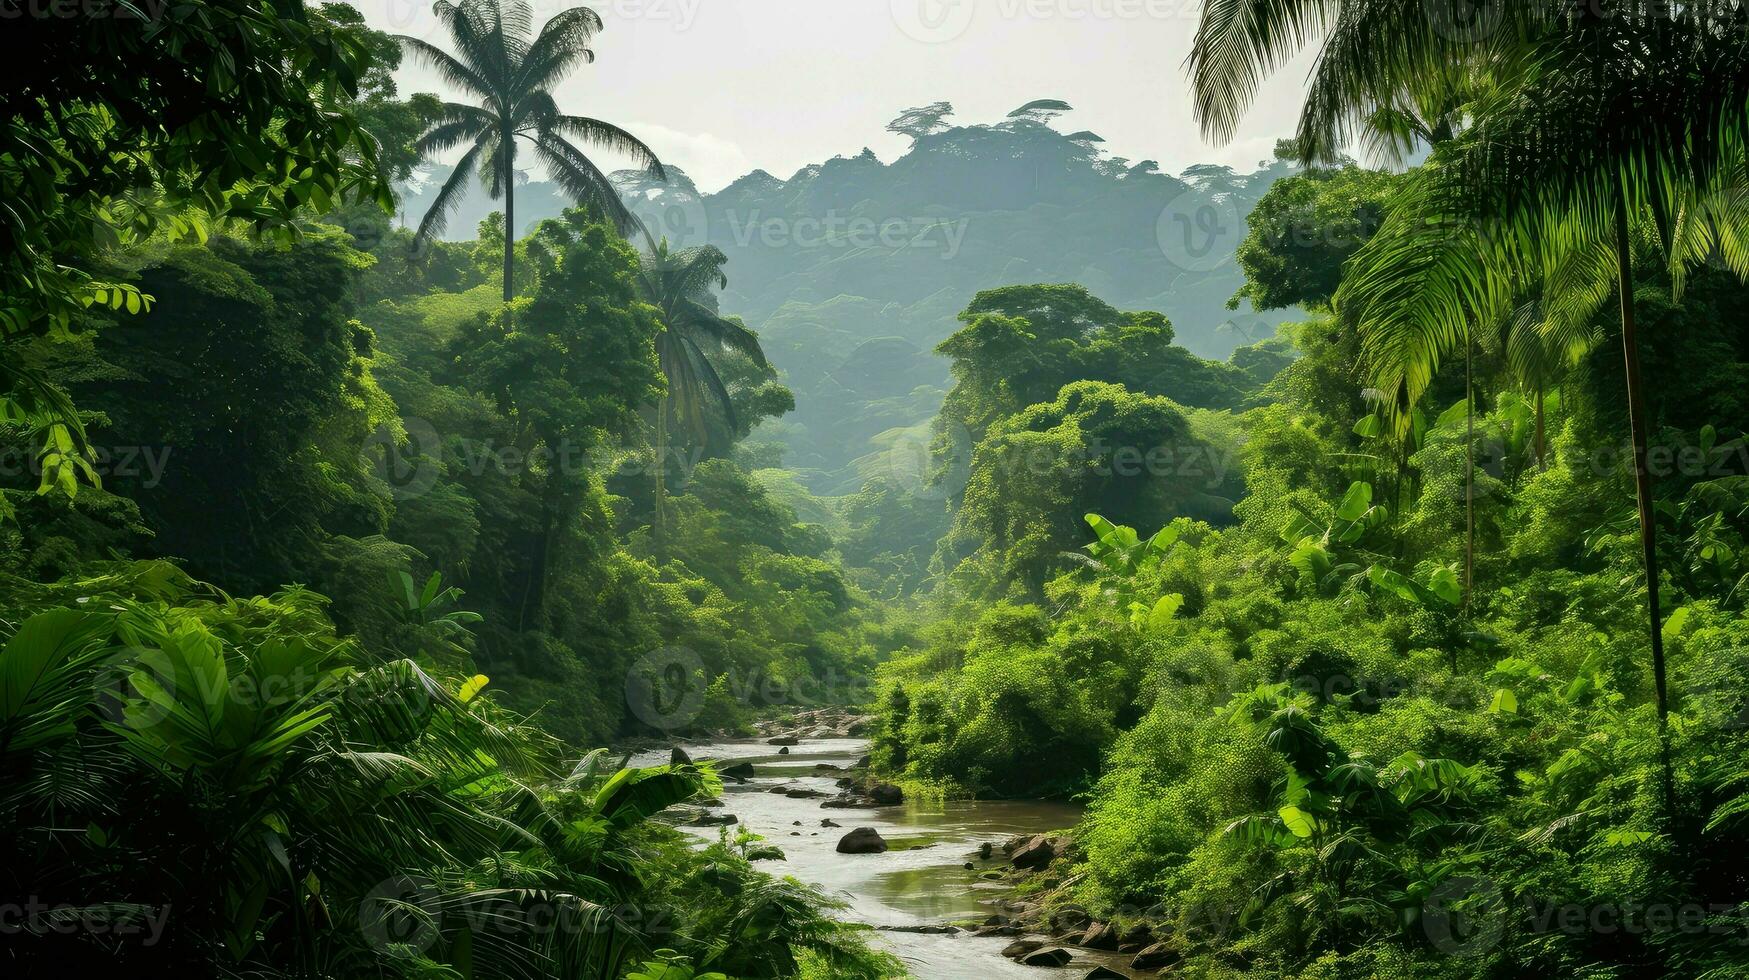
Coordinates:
[938,885]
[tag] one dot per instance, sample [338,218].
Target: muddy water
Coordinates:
[920,881]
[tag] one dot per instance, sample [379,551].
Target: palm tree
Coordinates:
[1605,116]
[502,63]
[679,284]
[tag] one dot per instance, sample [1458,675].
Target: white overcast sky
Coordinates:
[721,87]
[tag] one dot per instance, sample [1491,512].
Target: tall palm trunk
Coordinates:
[508,175]
[1539,441]
[659,526]
[1469,473]
[1643,487]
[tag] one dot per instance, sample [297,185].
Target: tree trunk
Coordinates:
[1539,443]
[659,526]
[1643,487]
[509,178]
[1469,473]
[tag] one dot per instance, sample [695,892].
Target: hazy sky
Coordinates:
[721,87]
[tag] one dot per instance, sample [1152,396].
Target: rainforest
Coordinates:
[444,536]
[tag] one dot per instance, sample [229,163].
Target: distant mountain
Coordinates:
[853,270]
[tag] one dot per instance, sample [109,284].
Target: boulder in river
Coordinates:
[1099,935]
[804,793]
[1049,956]
[1104,973]
[713,820]
[1035,853]
[862,840]
[785,740]
[1154,957]
[886,794]
[740,770]
[783,751]
[1020,947]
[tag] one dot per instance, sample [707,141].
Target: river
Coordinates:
[920,881]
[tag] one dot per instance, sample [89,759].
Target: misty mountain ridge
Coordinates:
[852,270]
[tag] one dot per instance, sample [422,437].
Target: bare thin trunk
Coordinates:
[660,524]
[1469,473]
[1539,442]
[1643,492]
[509,178]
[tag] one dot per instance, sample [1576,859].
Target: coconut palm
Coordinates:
[679,284]
[1607,118]
[510,70]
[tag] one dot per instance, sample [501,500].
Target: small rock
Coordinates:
[829,822]
[970,866]
[783,751]
[985,850]
[712,820]
[740,770]
[1020,947]
[678,757]
[1051,956]
[862,840]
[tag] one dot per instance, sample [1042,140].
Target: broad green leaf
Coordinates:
[1504,702]
[473,687]
[1164,609]
[1674,624]
[1355,502]
[1298,822]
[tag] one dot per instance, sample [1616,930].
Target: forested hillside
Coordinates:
[853,270]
